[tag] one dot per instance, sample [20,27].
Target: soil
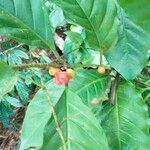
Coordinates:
[9,136]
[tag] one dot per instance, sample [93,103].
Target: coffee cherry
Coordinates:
[62,77]
[71,72]
[101,70]
[94,101]
[53,70]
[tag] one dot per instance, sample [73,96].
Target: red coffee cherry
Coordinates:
[62,77]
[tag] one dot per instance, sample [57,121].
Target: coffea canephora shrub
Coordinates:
[95,94]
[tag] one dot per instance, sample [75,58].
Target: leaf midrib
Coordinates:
[89,22]
[26,27]
[118,122]
[66,94]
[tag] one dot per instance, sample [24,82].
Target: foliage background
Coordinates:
[75,33]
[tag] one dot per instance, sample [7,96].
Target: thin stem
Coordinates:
[68,53]
[101,56]
[38,65]
[114,89]
[47,65]
[6,51]
[146,89]
[147,97]
[87,48]
[34,82]
[59,58]
[58,129]
[141,83]
[84,66]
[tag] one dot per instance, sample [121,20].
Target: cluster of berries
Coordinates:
[61,76]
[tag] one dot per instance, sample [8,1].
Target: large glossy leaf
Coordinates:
[129,55]
[26,21]
[127,122]
[139,12]
[37,116]
[81,130]
[98,17]
[89,84]
[7,79]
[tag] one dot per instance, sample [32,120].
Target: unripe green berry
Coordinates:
[71,72]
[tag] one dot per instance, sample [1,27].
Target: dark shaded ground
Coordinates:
[9,137]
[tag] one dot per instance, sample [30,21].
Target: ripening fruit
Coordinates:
[101,70]
[94,101]
[71,72]
[62,77]
[53,70]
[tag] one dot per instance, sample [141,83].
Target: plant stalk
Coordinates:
[38,65]
[113,89]
[10,49]
[58,129]
[47,65]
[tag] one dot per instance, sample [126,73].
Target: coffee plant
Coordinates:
[81,70]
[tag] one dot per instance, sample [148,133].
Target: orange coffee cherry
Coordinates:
[101,70]
[94,101]
[53,71]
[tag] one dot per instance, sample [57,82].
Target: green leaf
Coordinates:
[80,128]
[22,90]
[44,58]
[72,45]
[129,55]
[37,115]
[15,56]
[127,123]
[75,37]
[5,112]
[100,20]
[13,101]
[89,84]
[7,79]
[6,44]
[98,17]
[71,51]
[139,12]
[57,18]
[27,22]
